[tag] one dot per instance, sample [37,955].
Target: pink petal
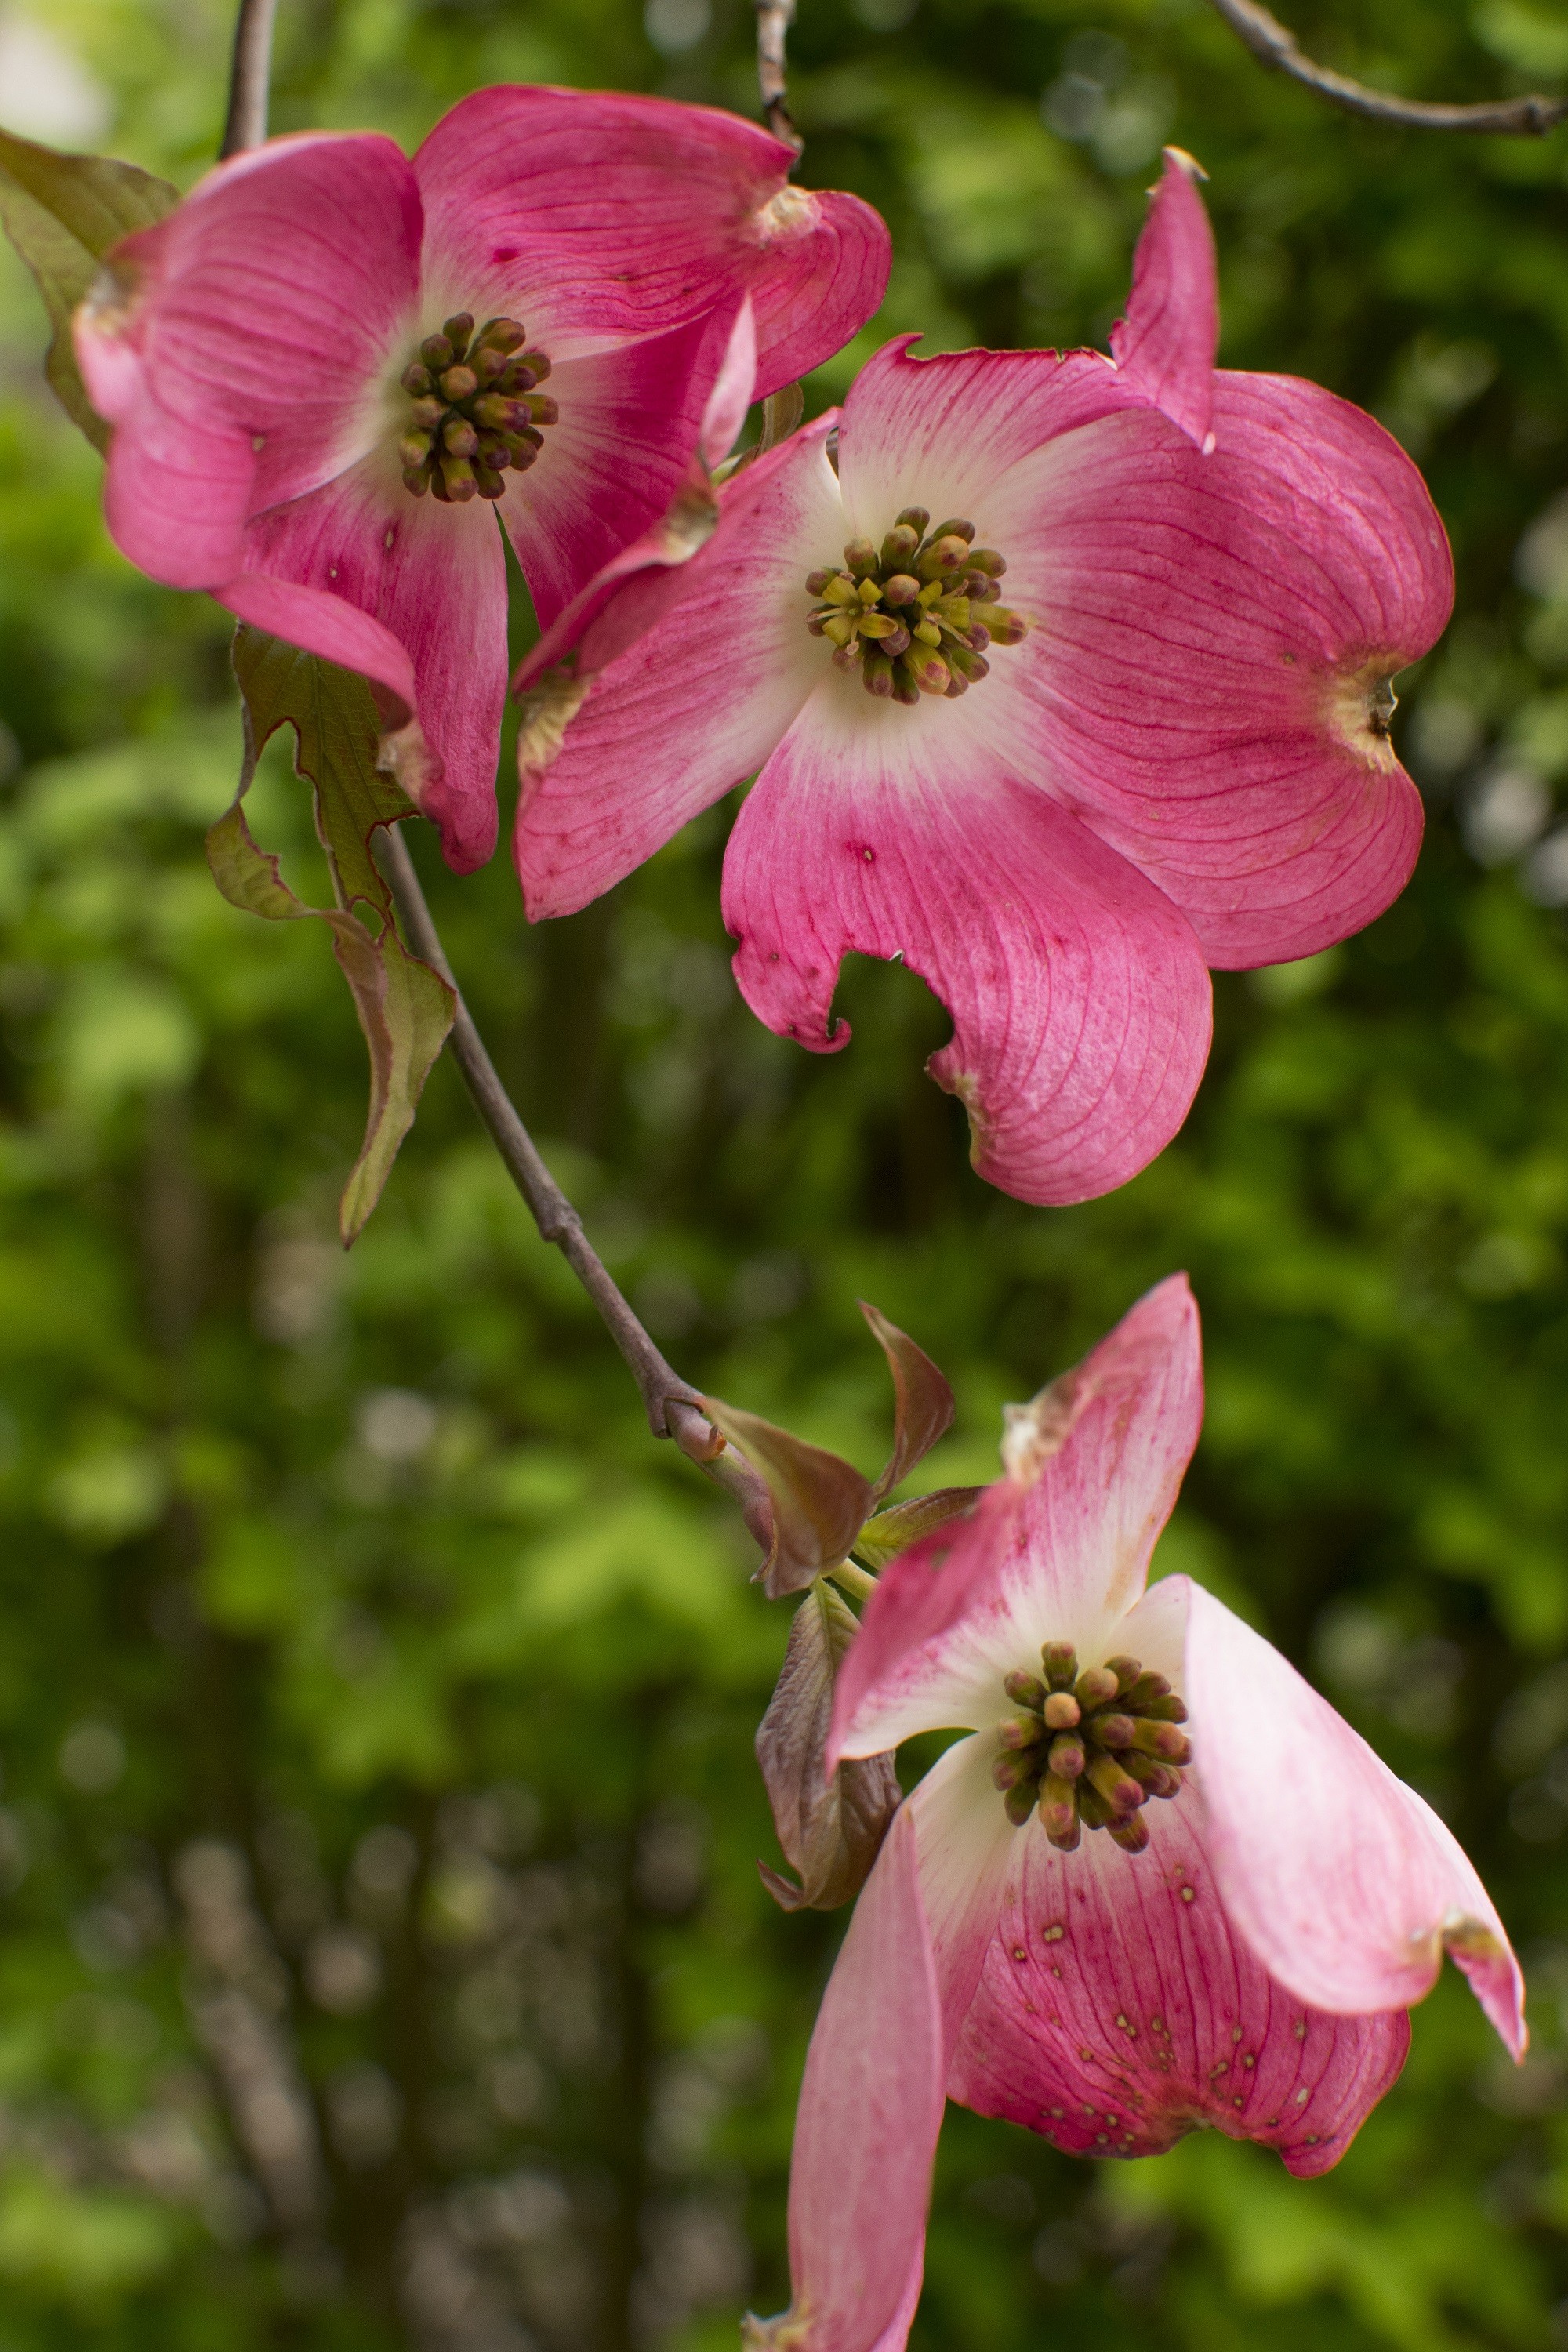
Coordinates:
[1058,1549]
[1079,1001]
[631,423]
[965,1846]
[1165,345]
[734,389]
[1118,2010]
[240,368]
[1344,1883]
[1210,633]
[941,433]
[606,217]
[430,583]
[697,701]
[870,2109]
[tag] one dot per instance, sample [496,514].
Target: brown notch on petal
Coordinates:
[820,1501]
[1032,1432]
[831,1831]
[923,1407]
[1361,703]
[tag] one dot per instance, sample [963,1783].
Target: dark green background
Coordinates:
[382,1960]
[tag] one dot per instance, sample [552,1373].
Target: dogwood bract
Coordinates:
[328,360]
[1070,681]
[1161,1884]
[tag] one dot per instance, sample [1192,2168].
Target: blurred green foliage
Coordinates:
[382,1960]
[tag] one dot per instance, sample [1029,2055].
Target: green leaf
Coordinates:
[405,1009]
[63,213]
[891,1532]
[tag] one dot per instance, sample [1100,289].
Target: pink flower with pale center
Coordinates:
[1123,720]
[1217,1911]
[597,254]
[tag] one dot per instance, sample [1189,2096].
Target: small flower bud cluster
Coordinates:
[476,409]
[1089,1748]
[917,613]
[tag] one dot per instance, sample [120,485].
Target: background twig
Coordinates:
[774,18]
[1270,40]
[249,77]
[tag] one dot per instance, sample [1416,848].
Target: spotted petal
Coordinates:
[1058,1551]
[1119,2009]
[1079,1001]
[1343,1881]
[612,217]
[231,346]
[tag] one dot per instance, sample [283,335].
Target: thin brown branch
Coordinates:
[249,77]
[774,18]
[1270,41]
[673,1406]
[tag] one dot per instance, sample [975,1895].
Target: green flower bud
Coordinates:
[1060,1662]
[437,353]
[417,379]
[915,519]
[456,330]
[1019,1803]
[457,382]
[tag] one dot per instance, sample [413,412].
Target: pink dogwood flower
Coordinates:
[1161,1884]
[329,360]
[1067,678]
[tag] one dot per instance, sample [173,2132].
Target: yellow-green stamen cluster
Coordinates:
[1090,1749]
[918,614]
[476,409]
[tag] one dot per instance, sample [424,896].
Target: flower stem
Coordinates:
[249,77]
[674,1407]
[1275,45]
[774,18]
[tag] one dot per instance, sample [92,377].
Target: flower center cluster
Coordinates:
[476,409]
[1089,1748]
[918,614]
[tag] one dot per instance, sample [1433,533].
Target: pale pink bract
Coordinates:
[1183,764]
[1252,1969]
[247,351]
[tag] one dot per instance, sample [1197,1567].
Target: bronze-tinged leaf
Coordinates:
[923,1401]
[831,1832]
[63,213]
[891,1532]
[820,1502]
[405,1009]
